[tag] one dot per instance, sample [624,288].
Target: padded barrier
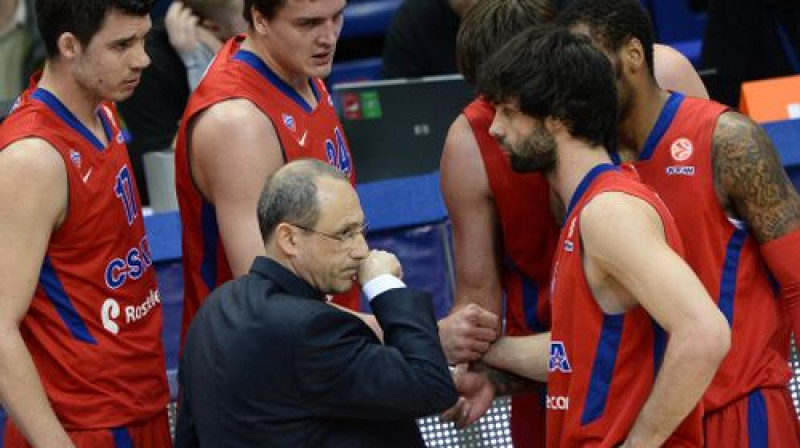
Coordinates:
[367,17]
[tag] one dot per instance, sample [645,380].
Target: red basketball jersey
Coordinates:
[676,162]
[529,230]
[529,235]
[94,324]
[303,131]
[602,367]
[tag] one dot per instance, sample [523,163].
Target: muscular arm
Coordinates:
[467,196]
[33,202]
[750,180]
[752,185]
[674,72]
[234,148]
[627,257]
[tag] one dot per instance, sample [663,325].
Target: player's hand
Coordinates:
[477,395]
[467,333]
[182,28]
[379,262]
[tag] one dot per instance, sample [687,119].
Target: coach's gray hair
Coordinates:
[290,195]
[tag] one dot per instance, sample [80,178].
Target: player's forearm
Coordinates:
[525,356]
[487,295]
[23,396]
[507,383]
[690,362]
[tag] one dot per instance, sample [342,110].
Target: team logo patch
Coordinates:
[75,158]
[289,122]
[681,149]
[558,358]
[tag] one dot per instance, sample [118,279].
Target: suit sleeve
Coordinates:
[343,371]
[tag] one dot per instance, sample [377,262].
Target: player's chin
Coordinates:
[120,94]
[319,70]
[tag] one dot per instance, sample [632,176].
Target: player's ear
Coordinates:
[260,22]
[69,46]
[554,125]
[632,55]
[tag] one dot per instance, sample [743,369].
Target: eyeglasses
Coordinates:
[347,238]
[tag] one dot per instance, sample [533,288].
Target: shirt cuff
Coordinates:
[381,284]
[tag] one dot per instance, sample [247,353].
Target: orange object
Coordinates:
[771,99]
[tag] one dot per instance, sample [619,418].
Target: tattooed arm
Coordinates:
[750,180]
[753,186]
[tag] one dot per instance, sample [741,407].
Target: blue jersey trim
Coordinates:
[585,183]
[55,292]
[210,230]
[122,438]
[659,347]
[757,421]
[2,425]
[603,368]
[530,304]
[71,120]
[662,124]
[258,64]
[730,268]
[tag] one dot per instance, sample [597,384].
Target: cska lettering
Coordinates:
[132,266]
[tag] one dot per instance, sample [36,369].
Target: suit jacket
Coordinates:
[267,363]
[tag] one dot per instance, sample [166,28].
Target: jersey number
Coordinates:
[123,189]
[338,154]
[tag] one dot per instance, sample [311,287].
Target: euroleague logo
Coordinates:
[681,149]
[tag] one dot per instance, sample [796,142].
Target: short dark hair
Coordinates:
[290,195]
[553,73]
[269,8]
[612,23]
[490,24]
[83,18]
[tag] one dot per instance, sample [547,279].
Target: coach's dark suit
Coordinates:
[267,363]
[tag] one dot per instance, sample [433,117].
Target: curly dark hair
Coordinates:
[553,73]
[612,23]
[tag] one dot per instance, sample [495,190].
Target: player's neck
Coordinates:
[575,158]
[300,82]
[645,107]
[79,101]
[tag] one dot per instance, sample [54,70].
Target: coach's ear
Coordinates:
[287,238]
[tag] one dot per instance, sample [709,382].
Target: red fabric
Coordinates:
[748,421]
[153,433]
[782,256]
[94,324]
[529,237]
[676,161]
[303,133]
[602,366]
